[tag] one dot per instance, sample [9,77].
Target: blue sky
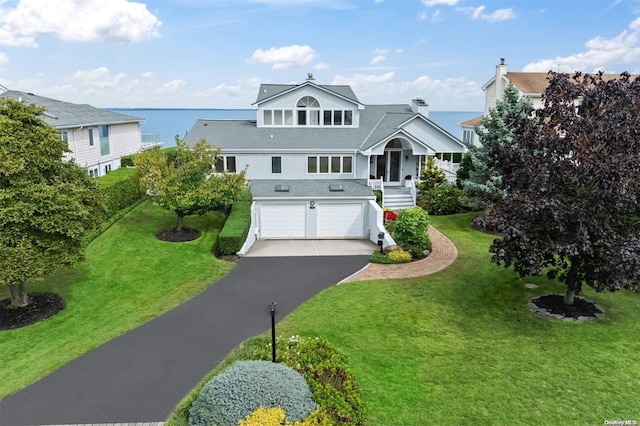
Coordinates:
[215,53]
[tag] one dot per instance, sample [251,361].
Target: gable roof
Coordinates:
[472,122]
[65,115]
[377,123]
[270,91]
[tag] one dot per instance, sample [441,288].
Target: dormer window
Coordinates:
[308,111]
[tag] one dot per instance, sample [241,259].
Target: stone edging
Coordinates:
[545,313]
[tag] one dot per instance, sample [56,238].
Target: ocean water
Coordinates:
[166,123]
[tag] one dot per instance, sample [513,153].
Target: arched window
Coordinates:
[308,109]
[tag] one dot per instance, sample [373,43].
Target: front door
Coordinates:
[389,166]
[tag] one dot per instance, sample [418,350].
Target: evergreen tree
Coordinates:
[483,185]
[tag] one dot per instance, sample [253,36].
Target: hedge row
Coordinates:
[122,194]
[236,227]
[121,189]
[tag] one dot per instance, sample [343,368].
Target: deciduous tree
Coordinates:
[571,176]
[47,203]
[188,184]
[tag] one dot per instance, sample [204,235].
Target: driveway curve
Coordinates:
[142,375]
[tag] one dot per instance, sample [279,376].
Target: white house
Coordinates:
[315,154]
[97,138]
[529,84]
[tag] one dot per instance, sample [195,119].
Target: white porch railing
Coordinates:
[411,184]
[377,185]
[448,166]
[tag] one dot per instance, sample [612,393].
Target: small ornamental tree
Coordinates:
[431,175]
[483,182]
[187,184]
[572,185]
[47,204]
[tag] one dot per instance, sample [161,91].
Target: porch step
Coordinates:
[397,200]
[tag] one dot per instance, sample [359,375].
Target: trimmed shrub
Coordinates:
[442,200]
[400,256]
[236,227]
[411,229]
[245,386]
[126,161]
[121,190]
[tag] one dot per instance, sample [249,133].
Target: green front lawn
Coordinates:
[460,347]
[128,278]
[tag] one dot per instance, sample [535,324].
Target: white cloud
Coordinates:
[99,78]
[477,13]
[441,94]
[77,20]
[147,74]
[285,57]
[430,3]
[378,59]
[601,53]
[4,58]
[171,87]
[381,51]
[221,91]
[321,66]
[361,82]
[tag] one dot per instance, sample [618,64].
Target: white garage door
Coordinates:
[283,221]
[340,220]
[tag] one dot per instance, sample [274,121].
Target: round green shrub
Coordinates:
[442,200]
[247,385]
[411,228]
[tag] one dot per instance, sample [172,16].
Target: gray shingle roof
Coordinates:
[269,90]
[376,123]
[61,115]
[305,188]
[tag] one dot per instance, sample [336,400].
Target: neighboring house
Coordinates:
[97,138]
[315,153]
[530,85]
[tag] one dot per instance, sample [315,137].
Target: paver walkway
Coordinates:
[443,253]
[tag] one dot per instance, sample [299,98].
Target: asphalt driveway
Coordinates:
[142,375]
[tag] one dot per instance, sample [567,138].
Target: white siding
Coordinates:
[432,137]
[326,100]
[293,166]
[124,139]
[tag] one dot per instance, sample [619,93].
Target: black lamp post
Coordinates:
[380,239]
[272,309]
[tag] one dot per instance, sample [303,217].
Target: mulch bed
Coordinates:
[555,305]
[41,306]
[173,236]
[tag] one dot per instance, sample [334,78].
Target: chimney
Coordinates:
[498,87]
[419,106]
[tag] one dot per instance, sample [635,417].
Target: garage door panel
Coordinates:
[283,221]
[337,220]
